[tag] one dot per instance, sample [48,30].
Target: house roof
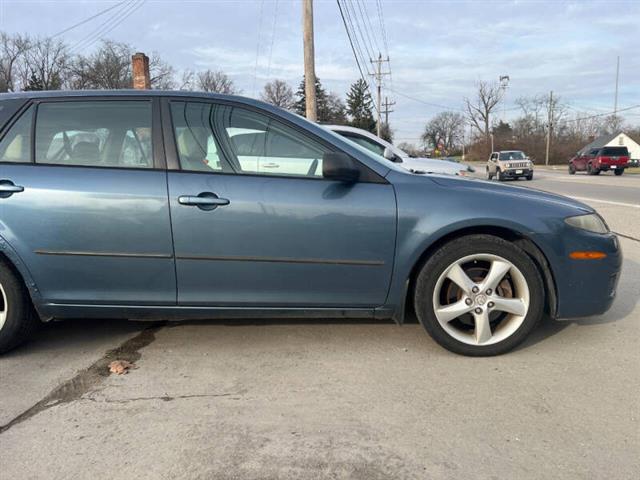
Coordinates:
[601,141]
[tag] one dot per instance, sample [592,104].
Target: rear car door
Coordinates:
[91,217]
[282,237]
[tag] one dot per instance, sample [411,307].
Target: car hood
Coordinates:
[512,191]
[431,165]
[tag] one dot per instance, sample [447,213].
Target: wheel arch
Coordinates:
[9,257]
[521,240]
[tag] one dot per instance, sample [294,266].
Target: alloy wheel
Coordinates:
[4,307]
[481,299]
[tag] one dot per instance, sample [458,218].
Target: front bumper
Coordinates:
[517,172]
[587,287]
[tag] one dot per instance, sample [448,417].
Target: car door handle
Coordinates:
[204,201]
[270,165]
[8,188]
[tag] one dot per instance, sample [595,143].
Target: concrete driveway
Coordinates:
[303,400]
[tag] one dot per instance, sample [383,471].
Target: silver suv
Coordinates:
[509,164]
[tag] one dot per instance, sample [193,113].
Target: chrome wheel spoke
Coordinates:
[458,276]
[449,312]
[482,331]
[496,273]
[515,306]
[484,316]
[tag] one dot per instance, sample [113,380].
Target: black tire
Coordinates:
[501,176]
[592,171]
[489,174]
[618,172]
[529,177]
[572,169]
[21,321]
[456,250]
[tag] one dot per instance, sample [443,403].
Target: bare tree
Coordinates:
[107,68]
[187,80]
[479,110]
[12,50]
[162,74]
[216,82]
[45,65]
[279,93]
[445,129]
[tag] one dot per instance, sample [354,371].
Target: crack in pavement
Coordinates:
[164,398]
[74,388]
[627,237]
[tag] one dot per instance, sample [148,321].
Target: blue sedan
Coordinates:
[147,204]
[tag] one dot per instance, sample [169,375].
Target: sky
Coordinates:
[438,50]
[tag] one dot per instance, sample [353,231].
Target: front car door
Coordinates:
[92,223]
[285,237]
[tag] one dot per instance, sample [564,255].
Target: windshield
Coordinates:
[515,155]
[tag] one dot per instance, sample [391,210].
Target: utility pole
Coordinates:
[549,127]
[379,75]
[311,107]
[615,102]
[386,110]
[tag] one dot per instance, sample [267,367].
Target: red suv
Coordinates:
[601,159]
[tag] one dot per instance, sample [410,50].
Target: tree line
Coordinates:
[478,124]
[33,63]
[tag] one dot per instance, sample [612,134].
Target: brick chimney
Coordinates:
[140,67]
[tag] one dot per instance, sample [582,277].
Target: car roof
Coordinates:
[115,93]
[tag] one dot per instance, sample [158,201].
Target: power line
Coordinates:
[117,22]
[358,50]
[382,27]
[273,36]
[425,102]
[255,69]
[364,14]
[96,32]
[88,19]
[367,45]
[108,25]
[353,49]
[632,107]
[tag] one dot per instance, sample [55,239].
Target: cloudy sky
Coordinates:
[438,49]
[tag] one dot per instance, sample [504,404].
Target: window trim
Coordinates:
[173,161]
[157,146]
[9,125]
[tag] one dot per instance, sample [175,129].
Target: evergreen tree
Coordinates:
[321,100]
[360,106]
[34,84]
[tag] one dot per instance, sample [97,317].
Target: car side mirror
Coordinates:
[340,167]
[388,154]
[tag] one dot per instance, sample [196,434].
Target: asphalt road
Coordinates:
[354,400]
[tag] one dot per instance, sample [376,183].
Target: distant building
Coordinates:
[615,140]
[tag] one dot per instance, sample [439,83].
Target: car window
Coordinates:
[615,151]
[95,134]
[197,148]
[512,156]
[260,144]
[15,145]
[365,142]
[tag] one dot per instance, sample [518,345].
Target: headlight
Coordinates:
[508,165]
[591,222]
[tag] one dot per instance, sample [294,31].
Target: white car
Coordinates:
[392,153]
